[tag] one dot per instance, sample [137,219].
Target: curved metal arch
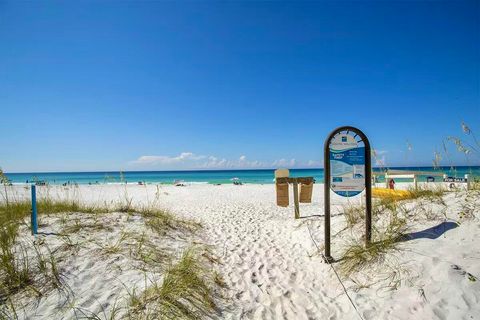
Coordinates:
[327,181]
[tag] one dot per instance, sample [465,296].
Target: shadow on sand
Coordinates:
[430,233]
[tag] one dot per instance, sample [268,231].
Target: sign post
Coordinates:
[348,171]
[33,217]
[295,200]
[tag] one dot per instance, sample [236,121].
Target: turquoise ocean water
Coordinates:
[212,177]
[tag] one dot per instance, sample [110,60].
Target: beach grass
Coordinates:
[431,193]
[37,270]
[162,220]
[158,219]
[219,280]
[19,210]
[185,293]
[390,224]
[15,269]
[474,184]
[21,269]
[358,257]
[353,214]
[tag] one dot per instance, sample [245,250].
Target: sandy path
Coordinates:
[270,261]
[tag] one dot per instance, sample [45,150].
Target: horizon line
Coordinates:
[231,169]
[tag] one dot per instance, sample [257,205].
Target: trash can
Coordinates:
[306,190]
[282,194]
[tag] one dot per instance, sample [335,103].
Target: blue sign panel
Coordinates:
[347,163]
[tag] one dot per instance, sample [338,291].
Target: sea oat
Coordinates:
[465,128]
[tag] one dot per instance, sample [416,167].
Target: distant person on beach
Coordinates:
[391,184]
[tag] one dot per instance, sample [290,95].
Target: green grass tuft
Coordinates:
[17,211]
[162,221]
[15,270]
[185,292]
[357,257]
[20,270]
[353,214]
[435,193]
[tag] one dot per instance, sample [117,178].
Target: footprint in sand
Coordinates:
[462,272]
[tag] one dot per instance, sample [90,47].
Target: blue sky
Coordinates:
[182,85]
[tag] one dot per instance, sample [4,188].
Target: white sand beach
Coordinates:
[271,263]
[150,152]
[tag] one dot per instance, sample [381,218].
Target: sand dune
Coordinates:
[271,263]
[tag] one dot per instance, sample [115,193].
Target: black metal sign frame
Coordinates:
[327,182]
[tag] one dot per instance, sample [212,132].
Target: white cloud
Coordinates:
[293,163]
[281,163]
[158,160]
[314,164]
[241,163]
[189,160]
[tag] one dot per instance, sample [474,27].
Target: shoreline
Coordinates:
[203,177]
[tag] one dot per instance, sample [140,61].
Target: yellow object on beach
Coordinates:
[389,193]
